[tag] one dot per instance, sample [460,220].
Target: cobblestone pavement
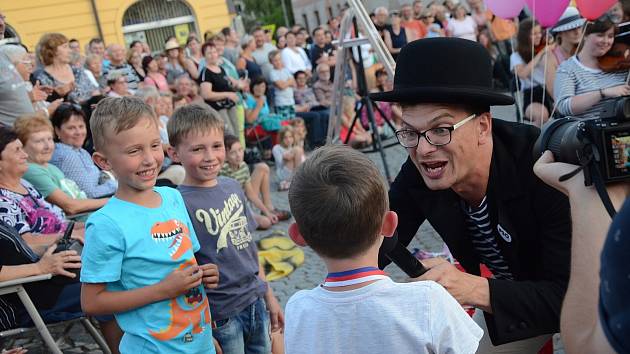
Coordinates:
[307,276]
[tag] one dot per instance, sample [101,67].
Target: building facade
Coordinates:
[116,21]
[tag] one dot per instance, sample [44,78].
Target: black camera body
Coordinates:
[604,141]
[68,244]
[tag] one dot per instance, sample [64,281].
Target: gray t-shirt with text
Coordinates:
[224,224]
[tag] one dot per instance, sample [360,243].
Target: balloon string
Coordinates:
[545,57]
[586,23]
[519,100]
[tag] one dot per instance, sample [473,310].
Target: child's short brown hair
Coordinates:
[287,129]
[338,199]
[229,140]
[118,114]
[192,118]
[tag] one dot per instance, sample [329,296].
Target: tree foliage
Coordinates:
[265,12]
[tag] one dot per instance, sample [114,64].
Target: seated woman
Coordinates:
[38,222]
[58,299]
[68,83]
[72,159]
[259,121]
[530,69]
[37,134]
[581,87]
[117,83]
[153,76]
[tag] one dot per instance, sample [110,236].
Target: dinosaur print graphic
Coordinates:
[192,308]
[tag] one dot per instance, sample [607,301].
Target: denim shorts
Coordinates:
[247,332]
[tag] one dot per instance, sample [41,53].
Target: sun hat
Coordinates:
[569,20]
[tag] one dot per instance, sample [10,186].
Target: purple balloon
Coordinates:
[507,9]
[547,12]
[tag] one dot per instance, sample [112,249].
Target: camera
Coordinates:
[67,244]
[604,141]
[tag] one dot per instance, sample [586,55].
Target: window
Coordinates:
[154,21]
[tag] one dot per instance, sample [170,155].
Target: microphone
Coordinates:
[401,256]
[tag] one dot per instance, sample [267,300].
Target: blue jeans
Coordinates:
[247,332]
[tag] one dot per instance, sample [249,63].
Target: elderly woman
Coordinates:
[37,134]
[94,70]
[23,63]
[581,87]
[68,83]
[134,58]
[117,83]
[462,25]
[21,205]
[70,157]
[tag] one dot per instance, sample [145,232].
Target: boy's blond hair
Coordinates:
[116,114]
[191,118]
[338,199]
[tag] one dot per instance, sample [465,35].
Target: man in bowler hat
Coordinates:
[471,177]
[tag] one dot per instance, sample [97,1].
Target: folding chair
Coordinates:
[16,286]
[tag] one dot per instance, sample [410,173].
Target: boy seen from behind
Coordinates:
[220,216]
[339,202]
[138,260]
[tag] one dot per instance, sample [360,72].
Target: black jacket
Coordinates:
[536,217]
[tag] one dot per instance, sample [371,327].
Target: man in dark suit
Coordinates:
[471,177]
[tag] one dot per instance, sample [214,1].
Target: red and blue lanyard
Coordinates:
[353,277]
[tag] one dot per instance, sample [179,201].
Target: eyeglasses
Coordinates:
[440,136]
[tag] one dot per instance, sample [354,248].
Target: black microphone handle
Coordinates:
[406,261]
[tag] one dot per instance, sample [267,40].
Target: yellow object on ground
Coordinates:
[279,256]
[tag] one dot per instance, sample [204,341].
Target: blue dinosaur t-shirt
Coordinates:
[129,246]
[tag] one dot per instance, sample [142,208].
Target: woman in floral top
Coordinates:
[21,206]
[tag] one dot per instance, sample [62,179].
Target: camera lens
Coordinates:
[562,138]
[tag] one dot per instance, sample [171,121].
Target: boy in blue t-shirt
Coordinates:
[138,260]
[221,219]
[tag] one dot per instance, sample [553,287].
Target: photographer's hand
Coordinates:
[57,263]
[550,172]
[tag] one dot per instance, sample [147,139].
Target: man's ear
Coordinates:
[390,222]
[172,153]
[296,236]
[101,161]
[485,128]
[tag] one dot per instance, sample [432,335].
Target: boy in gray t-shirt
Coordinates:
[222,220]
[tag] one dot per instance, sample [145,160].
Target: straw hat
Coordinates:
[171,44]
[570,20]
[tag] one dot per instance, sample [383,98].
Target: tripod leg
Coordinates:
[357,114]
[376,141]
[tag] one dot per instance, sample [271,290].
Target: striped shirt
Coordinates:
[573,78]
[483,236]
[241,175]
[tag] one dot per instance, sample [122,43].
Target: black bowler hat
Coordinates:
[444,70]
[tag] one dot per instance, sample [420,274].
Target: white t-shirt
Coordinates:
[382,317]
[282,97]
[538,77]
[463,29]
[295,61]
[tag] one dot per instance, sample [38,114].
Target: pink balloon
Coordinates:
[548,12]
[593,9]
[507,9]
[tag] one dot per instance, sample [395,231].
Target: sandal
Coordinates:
[282,214]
